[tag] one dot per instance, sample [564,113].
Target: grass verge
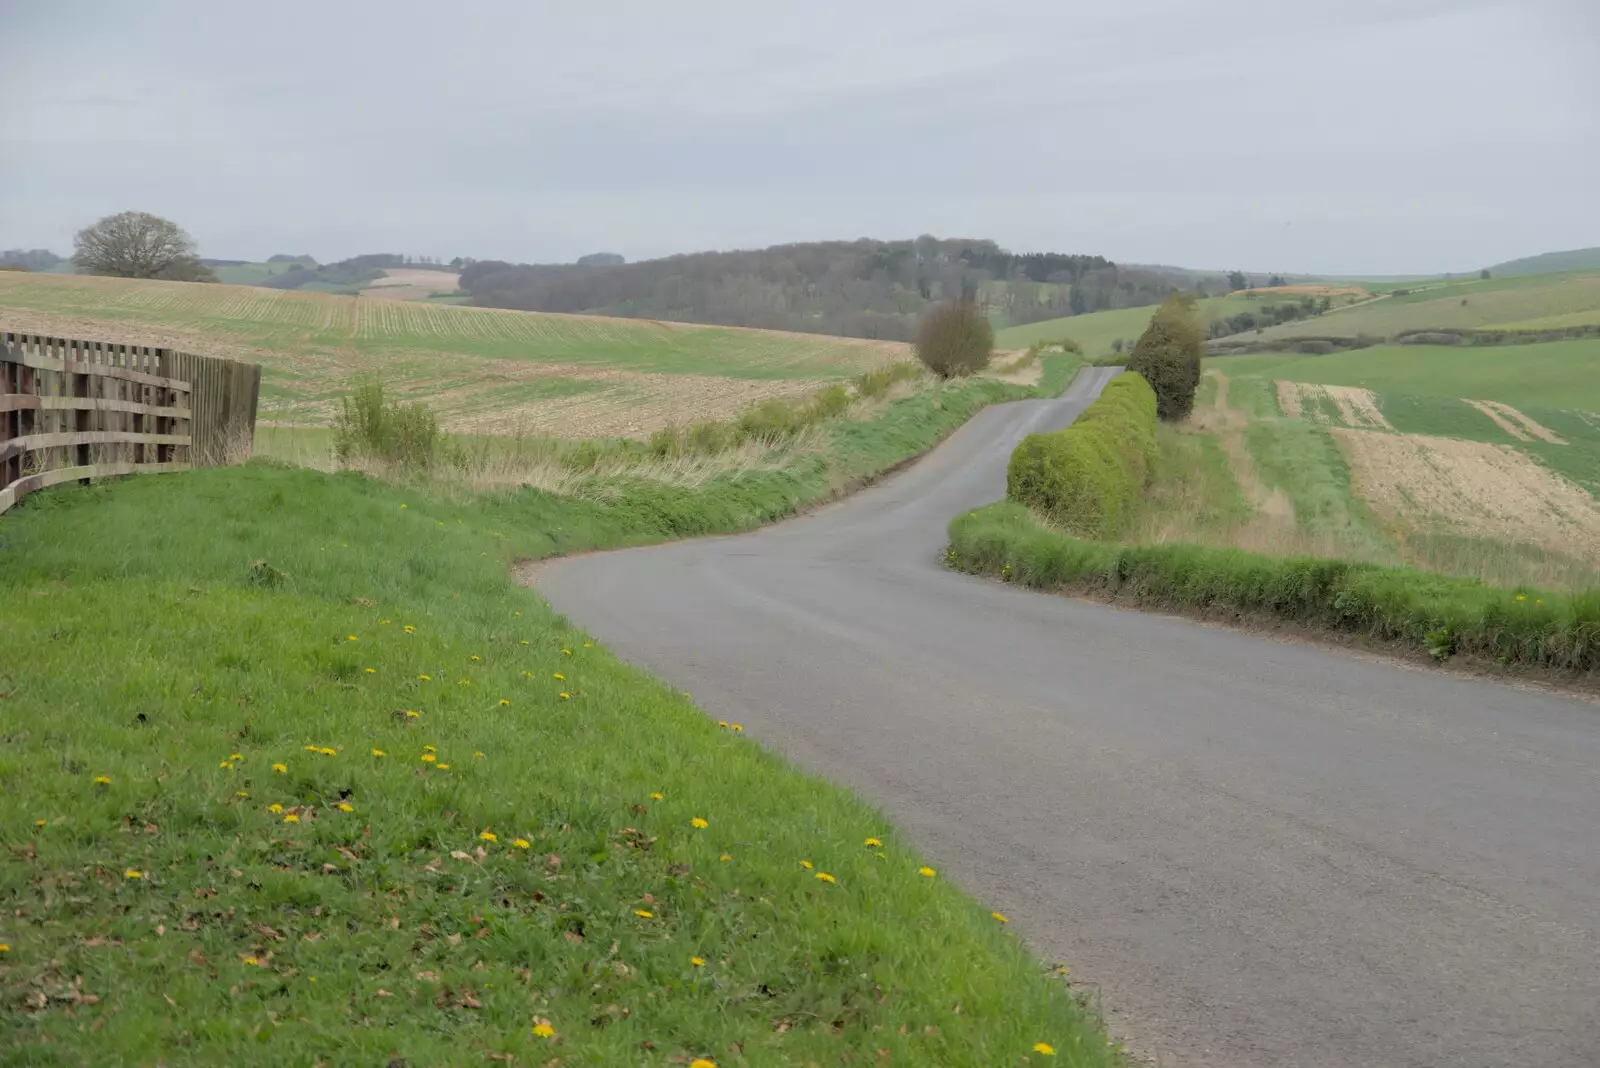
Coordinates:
[293,773]
[1441,615]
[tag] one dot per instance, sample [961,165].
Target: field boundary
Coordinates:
[1553,637]
[77,410]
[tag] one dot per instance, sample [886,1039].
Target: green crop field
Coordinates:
[482,370]
[1572,299]
[1557,374]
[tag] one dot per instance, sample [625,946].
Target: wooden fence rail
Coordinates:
[90,409]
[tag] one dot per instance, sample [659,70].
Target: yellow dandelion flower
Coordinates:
[701,1062]
[736,726]
[523,642]
[926,873]
[425,678]
[475,658]
[235,756]
[383,622]
[38,823]
[226,764]
[697,962]
[345,806]
[409,629]
[352,638]
[560,676]
[724,858]
[1044,1049]
[379,753]
[102,780]
[478,755]
[699,824]
[242,793]
[281,769]
[442,767]
[505,702]
[565,696]
[722,723]
[313,748]
[522,843]
[328,752]
[872,843]
[806,864]
[588,645]
[251,961]
[412,714]
[5,947]
[372,671]
[1522,597]
[1000,917]
[133,874]
[543,1030]
[429,758]
[644,914]
[291,818]
[825,877]
[566,652]
[274,808]
[489,836]
[658,797]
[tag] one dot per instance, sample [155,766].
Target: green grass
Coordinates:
[1447,417]
[1557,374]
[1466,304]
[172,622]
[1412,609]
[249,274]
[1301,459]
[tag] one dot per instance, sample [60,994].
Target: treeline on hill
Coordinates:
[351,273]
[863,288]
[1269,315]
[29,259]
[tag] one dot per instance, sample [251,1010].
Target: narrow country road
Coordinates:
[1264,854]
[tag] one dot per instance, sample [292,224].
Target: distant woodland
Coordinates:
[865,288]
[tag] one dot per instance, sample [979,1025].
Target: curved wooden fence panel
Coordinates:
[76,410]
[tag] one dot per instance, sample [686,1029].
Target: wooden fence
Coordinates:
[90,409]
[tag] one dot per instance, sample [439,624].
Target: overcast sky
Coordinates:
[1377,136]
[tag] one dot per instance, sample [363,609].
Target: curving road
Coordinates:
[1265,854]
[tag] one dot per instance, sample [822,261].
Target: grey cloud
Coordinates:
[1379,135]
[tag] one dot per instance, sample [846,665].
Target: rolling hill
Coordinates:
[482,370]
[1582,259]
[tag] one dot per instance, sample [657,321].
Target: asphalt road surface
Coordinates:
[1264,853]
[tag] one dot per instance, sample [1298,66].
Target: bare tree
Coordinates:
[136,244]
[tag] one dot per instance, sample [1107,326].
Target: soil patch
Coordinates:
[1517,424]
[1471,487]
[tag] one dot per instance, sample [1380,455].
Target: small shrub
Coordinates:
[1167,355]
[1314,348]
[371,426]
[871,384]
[955,338]
[771,420]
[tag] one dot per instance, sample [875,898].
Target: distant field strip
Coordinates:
[1570,300]
[492,371]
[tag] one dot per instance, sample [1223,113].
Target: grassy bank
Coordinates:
[1441,615]
[293,773]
